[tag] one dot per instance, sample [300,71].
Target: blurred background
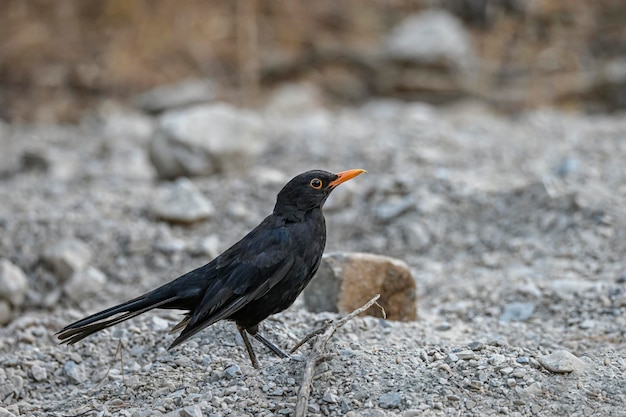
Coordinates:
[59,59]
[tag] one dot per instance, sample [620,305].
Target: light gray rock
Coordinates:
[204,140]
[67,257]
[233,370]
[189,411]
[182,202]
[183,93]
[39,373]
[6,413]
[74,372]
[517,312]
[84,283]
[433,37]
[13,283]
[394,208]
[391,400]
[562,362]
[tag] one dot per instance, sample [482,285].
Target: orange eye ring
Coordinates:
[316,183]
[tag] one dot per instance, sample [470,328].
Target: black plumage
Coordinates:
[258,276]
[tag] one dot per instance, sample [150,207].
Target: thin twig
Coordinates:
[120,350]
[318,352]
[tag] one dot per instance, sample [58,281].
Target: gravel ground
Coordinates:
[512,226]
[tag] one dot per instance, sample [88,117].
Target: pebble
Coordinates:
[562,361]
[39,373]
[476,346]
[391,400]
[233,370]
[182,202]
[329,397]
[74,372]
[13,283]
[466,355]
[517,312]
[6,413]
[394,208]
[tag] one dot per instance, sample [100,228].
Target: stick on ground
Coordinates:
[318,352]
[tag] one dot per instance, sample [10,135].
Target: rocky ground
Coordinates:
[513,228]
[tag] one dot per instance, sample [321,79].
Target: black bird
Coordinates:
[258,276]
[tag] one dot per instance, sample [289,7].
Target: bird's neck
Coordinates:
[296,215]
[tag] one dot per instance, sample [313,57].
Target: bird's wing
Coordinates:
[246,272]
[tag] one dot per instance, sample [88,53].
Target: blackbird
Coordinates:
[258,276]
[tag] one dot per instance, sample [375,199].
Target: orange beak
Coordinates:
[344,176]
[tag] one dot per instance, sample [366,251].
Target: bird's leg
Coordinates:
[254,331]
[246,341]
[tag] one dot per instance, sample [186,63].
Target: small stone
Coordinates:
[330,398]
[74,372]
[466,355]
[6,413]
[452,357]
[476,346]
[506,370]
[442,327]
[391,400]
[13,283]
[191,411]
[182,202]
[39,373]
[587,324]
[346,281]
[519,372]
[67,257]
[233,370]
[562,361]
[524,360]
[517,312]
[394,208]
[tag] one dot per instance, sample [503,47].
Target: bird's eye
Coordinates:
[316,183]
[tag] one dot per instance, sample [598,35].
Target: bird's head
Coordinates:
[309,191]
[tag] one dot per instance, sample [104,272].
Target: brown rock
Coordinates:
[346,281]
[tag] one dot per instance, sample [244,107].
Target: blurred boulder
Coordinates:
[431,56]
[13,283]
[433,37]
[181,94]
[346,281]
[67,257]
[84,283]
[182,202]
[204,140]
[5,312]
